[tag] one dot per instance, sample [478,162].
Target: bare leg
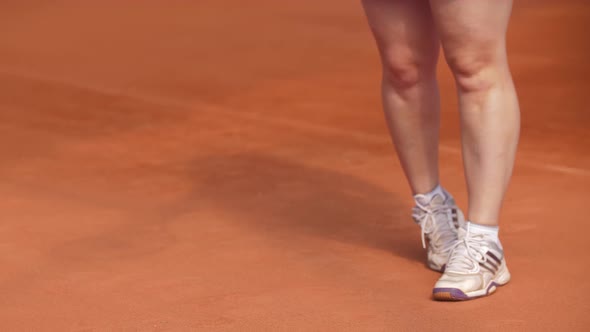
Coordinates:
[408,46]
[473,35]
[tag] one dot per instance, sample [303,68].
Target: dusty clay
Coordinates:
[212,166]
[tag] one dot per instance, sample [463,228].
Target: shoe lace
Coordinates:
[467,251]
[426,218]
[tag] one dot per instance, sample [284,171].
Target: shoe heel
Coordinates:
[503,276]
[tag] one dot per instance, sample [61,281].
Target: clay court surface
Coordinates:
[225,166]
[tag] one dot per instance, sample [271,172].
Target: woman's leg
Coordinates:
[408,45]
[473,36]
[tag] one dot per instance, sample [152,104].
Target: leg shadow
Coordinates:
[275,194]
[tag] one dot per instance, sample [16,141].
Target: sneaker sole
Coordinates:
[455,294]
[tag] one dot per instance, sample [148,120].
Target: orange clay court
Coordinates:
[225,166]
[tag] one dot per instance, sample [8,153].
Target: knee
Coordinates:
[404,73]
[477,70]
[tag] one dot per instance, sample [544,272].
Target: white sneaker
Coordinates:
[439,219]
[476,268]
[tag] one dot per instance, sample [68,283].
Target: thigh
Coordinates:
[404,30]
[472,28]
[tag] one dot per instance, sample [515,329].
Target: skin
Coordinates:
[473,37]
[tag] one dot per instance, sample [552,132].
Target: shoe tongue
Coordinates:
[461,233]
[460,261]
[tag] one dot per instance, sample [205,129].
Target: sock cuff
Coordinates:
[482,229]
[438,190]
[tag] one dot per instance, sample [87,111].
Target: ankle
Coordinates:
[490,231]
[422,197]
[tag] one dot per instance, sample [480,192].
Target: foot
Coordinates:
[476,268]
[439,219]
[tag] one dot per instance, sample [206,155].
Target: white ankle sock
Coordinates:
[491,231]
[429,196]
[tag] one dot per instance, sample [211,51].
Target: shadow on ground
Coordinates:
[278,195]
